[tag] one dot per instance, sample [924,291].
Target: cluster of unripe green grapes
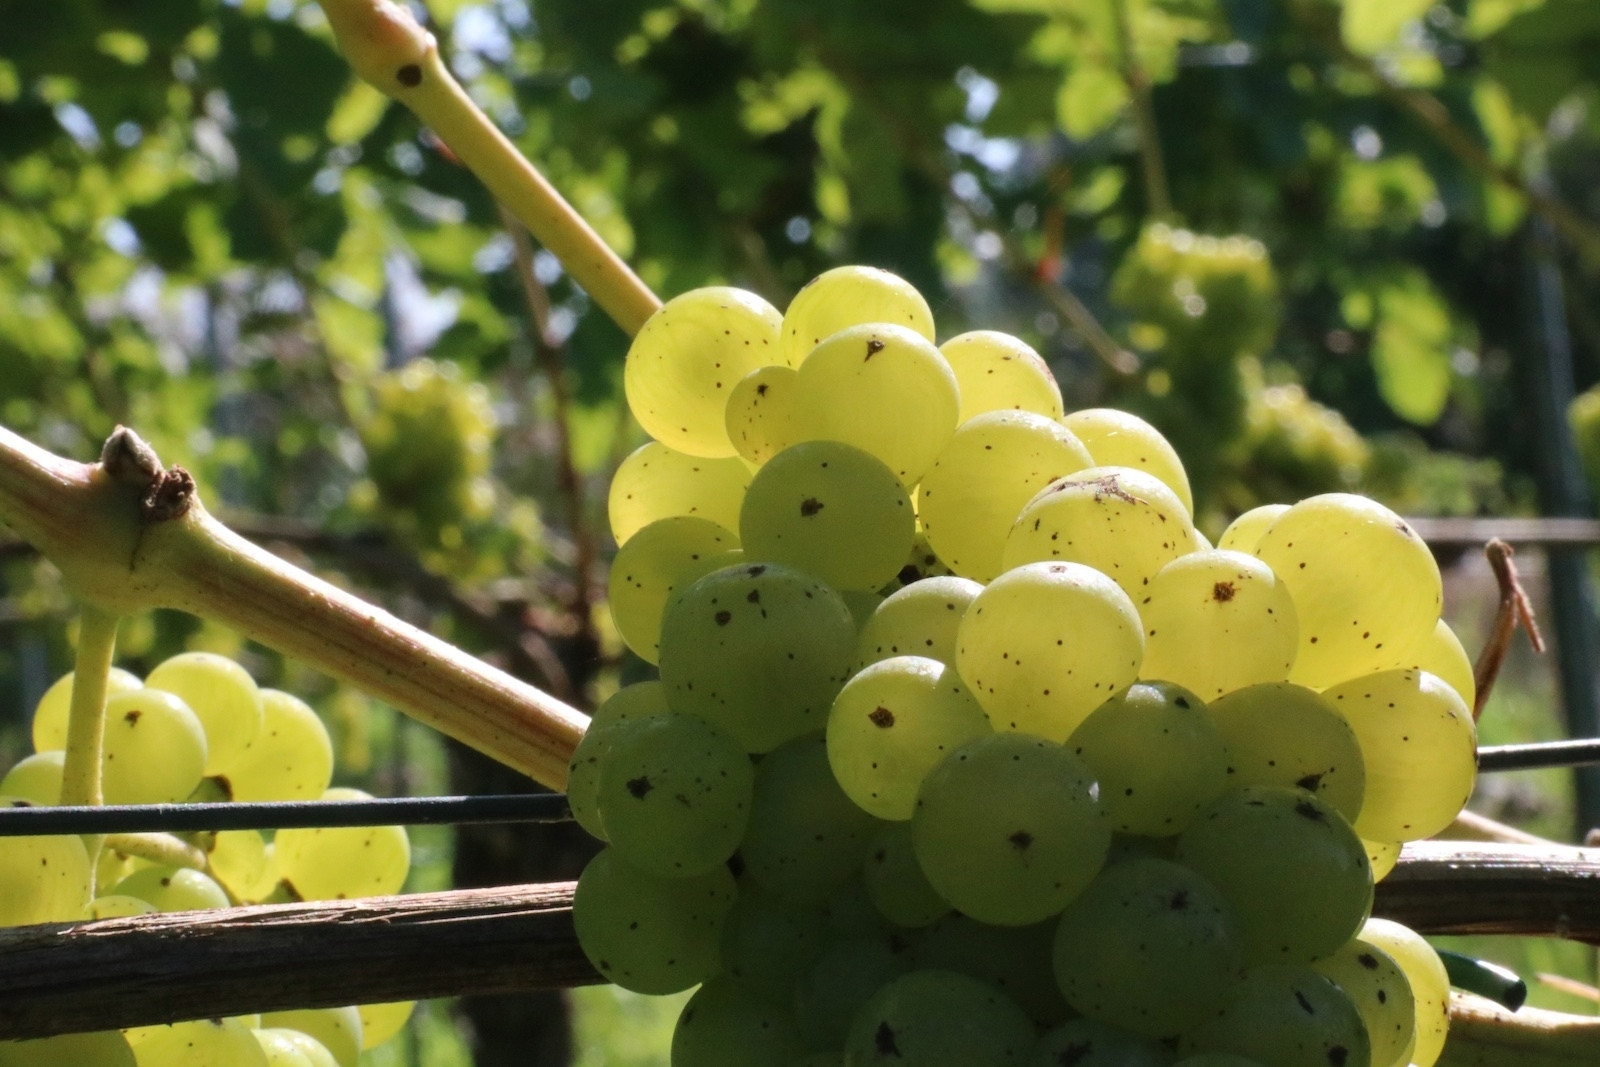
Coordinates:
[196,728]
[968,748]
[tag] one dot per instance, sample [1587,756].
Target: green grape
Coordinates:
[849,296]
[759,650]
[55,708]
[655,482]
[334,863]
[834,988]
[895,883]
[999,372]
[1279,733]
[920,619]
[861,604]
[36,779]
[42,879]
[583,774]
[1150,945]
[1087,1043]
[154,748]
[1120,521]
[760,414]
[849,909]
[983,478]
[1158,757]
[883,389]
[221,694]
[674,794]
[665,556]
[1294,871]
[1427,978]
[173,889]
[648,934]
[923,562]
[336,1029]
[891,724]
[1377,987]
[831,510]
[729,1024]
[1045,644]
[202,1043]
[117,906]
[1120,439]
[769,943]
[1216,621]
[1366,589]
[1440,654]
[939,1019]
[1016,960]
[1383,855]
[805,838]
[112,867]
[1420,747]
[687,358]
[104,1048]
[288,1048]
[268,883]
[1008,828]
[1287,1016]
[1218,1059]
[290,759]
[1244,533]
[380,1022]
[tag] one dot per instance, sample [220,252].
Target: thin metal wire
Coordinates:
[1581,753]
[188,818]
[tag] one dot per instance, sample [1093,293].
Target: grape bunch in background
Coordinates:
[968,748]
[197,728]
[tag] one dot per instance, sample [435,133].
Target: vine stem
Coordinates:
[392,52]
[1152,164]
[165,849]
[86,724]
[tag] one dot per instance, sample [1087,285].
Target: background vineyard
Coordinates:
[210,232]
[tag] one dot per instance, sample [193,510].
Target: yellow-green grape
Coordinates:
[688,357]
[1216,621]
[861,604]
[831,510]
[1287,1016]
[650,934]
[1158,757]
[631,702]
[290,1048]
[42,879]
[759,650]
[923,562]
[290,759]
[1086,1043]
[1365,586]
[237,859]
[155,748]
[1045,644]
[1419,744]
[380,1022]
[267,883]
[760,413]
[891,724]
[1441,654]
[883,389]
[55,708]
[1244,533]
[999,372]
[665,556]
[112,867]
[1377,986]
[1429,982]
[173,889]
[1008,828]
[895,882]
[36,779]
[728,1023]
[203,1043]
[104,1048]
[118,906]
[769,943]
[1150,945]
[849,296]
[337,1029]
[1120,521]
[348,861]
[939,1017]
[981,480]
[221,694]
[1293,869]
[920,619]
[1016,960]
[1121,439]
[1383,855]
[1283,734]
[655,482]
[830,992]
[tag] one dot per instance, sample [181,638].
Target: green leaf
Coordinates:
[1090,100]
[1370,26]
[1411,348]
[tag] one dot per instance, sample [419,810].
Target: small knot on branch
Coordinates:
[127,458]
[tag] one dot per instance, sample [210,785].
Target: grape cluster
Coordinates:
[968,748]
[197,728]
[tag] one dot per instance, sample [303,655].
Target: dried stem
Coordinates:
[1514,608]
[1151,163]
